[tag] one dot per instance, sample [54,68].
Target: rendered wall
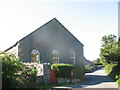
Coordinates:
[52,36]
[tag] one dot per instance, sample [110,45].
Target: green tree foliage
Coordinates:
[10,68]
[110,51]
[110,56]
[14,73]
[97,62]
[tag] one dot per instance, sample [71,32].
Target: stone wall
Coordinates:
[43,74]
[67,80]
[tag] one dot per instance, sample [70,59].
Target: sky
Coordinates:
[87,21]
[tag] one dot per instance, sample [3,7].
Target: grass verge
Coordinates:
[118,82]
[112,71]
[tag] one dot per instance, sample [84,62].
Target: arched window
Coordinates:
[55,56]
[35,55]
[72,57]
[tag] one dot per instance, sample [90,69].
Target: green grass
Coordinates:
[112,71]
[118,80]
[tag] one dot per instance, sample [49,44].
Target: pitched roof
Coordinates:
[69,32]
[48,23]
[41,27]
[38,28]
[11,47]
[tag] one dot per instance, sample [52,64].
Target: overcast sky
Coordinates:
[87,21]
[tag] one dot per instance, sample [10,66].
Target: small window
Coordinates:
[55,56]
[35,55]
[72,57]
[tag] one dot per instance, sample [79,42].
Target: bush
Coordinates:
[10,68]
[79,72]
[112,71]
[14,73]
[109,68]
[63,70]
[88,67]
[28,77]
[118,81]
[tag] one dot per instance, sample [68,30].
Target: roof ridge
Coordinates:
[28,35]
[68,31]
[41,27]
[38,28]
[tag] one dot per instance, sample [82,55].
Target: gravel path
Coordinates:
[97,79]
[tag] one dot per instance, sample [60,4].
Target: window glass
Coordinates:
[72,57]
[55,56]
[35,55]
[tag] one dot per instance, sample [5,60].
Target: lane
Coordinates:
[96,79]
[99,79]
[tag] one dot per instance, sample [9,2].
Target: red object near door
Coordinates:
[53,77]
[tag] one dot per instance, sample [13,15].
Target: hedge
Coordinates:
[112,71]
[79,72]
[64,70]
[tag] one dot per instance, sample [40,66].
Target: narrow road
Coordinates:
[99,79]
[96,79]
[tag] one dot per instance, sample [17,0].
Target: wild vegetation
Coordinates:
[110,56]
[16,74]
[95,66]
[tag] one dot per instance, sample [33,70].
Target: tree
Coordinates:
[110,50]
[15,74]
[97,62]
[110,56]
[10,67]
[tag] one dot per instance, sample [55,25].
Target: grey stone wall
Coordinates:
[67,80]
[43,74]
